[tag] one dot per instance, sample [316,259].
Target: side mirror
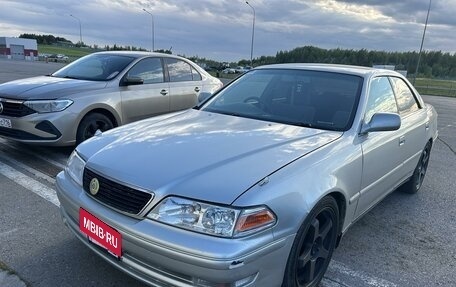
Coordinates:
[131,81]
[203,96]
[382,122]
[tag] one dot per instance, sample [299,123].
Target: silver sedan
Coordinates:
[98,92]
[255,186]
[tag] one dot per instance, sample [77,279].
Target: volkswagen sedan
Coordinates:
[256,185]
[98,92]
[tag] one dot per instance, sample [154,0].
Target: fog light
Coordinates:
[239,283]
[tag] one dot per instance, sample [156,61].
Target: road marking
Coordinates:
[327,282]
[29,183]
[6,233]
[33,171]
[336,267]
[49,160]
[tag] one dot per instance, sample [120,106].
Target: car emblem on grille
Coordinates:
[94,186]
[1,108]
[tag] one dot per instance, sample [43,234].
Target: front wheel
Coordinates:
[313,246]
[90,124]
[416,181]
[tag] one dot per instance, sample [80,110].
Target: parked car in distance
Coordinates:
[240,70]
[57,58]
[229,71]
[256,185]
[98,92]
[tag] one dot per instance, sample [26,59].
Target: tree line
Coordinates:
[45,39]
[433,63]
[436,64]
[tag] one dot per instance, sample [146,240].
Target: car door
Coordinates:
[414,123]
[185,84]
[150,98]
[382,160]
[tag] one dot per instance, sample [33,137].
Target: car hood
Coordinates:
[198,154]
[46,88]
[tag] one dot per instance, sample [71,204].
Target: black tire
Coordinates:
[90,124]
[313,246]
[416,181]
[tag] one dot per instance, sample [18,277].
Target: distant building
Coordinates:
[18,48]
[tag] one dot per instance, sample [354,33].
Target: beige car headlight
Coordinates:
[75,167]
[212,219]
[48,106]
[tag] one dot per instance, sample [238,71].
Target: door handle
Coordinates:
[164,92]
[197,89]
[401,140]
[427,125]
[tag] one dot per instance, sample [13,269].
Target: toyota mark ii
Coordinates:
[257,184]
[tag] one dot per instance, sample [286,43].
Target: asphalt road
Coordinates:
[406,240]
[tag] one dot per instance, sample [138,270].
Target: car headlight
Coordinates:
[48,106]
[75,167]
[212,219]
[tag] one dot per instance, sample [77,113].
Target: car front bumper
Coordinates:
[162,255]
[47,128]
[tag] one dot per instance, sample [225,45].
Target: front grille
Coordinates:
[116,195]
[15,109]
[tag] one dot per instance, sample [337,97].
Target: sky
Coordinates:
[222,29]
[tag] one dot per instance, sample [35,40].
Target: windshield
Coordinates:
[323,100]
[95,67]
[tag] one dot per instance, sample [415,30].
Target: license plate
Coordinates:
[100,233]
[6,123]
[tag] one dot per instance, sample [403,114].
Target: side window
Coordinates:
[149,69]
[405,99]
[196,76]
[179,70]
[381,98]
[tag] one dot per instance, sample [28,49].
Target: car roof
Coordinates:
[138,54]
[335,68]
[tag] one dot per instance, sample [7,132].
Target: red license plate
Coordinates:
[100,233]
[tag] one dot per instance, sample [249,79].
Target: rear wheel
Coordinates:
[313,246]
[416,181]
[90,124]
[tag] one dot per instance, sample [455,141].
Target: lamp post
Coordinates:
[253,34]
[80,29]
[422,41]
[153,32]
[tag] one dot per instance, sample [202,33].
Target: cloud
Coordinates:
[222,29]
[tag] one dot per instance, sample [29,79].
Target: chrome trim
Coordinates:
[11,101]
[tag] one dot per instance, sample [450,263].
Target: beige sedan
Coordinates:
[98,92]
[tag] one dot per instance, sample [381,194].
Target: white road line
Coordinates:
[49,160]
[33,171]
[367,280]
[6,233]
[329,283]
[29,183]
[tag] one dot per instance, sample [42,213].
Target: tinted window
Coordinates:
[404,96]
[381,98]
[179,70]
[196,76]
[95,67]
[149,69]
[307,98]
